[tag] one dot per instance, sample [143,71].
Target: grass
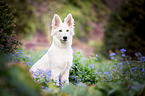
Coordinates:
[95,74]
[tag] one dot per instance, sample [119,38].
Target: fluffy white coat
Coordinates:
[59,56]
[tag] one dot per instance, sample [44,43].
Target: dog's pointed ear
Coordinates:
[56,21]
[69,20]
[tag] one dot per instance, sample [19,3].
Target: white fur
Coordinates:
[59,56]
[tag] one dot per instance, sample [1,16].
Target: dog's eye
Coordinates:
[67,30]
[60,30]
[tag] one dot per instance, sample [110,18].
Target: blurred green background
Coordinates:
[100,25]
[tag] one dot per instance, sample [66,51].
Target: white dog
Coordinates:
[59,56]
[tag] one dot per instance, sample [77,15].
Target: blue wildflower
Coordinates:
[123,50]
[79,80]
[121,67]
[123,55]
[35,74]
[42,86]
[138,54]
[99,73]
[96,70]
[112,54]
[142,70]
[112,58]
[106,72]
[120,64]
[73,76]
[121,58]
[83,58]
[30,63]
[110,78]
[132,68]
[21,51]
[140,59]
[44,50]
[91,66]
[97,55]
[30,59]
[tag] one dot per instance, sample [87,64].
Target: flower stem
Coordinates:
[128,65]
[139,72]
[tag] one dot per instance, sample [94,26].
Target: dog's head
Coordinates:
[63,31]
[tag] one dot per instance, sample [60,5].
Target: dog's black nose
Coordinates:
[64,37]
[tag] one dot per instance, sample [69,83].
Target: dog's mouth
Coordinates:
[63,40]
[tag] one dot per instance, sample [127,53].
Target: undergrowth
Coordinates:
[94,75]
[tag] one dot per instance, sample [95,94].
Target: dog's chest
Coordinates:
[61,58]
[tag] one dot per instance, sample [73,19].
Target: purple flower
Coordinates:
[106,73]
[112,54]
[30,63]
[138,54]
[142,70]
[42,86]
[123,55]
[120,64]
[121,58]
[79,80]
[30,59]
[123,50]
[97,55]
[16,60]
[112,58]
[121,67]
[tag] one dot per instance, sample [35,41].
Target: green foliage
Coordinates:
[25,17]
[120,76]
[8,42]
[37,15]
[125,28]
[16,80]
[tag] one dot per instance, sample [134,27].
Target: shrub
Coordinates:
[16,80]
[8,42]
[125,28]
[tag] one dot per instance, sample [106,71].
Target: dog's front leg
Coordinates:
[65,77]
[55,76]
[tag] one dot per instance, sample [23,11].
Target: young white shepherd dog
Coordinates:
[59,56]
